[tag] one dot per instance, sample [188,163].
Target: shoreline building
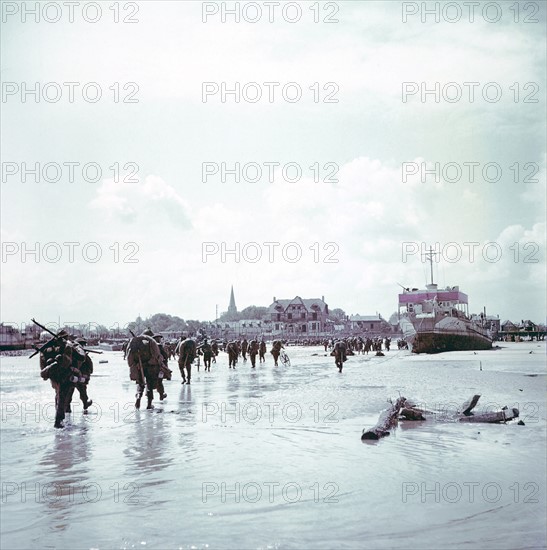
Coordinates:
[299,316]
[369,323]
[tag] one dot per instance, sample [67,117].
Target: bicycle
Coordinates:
[284,358]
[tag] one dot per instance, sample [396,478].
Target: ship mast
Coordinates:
[429,257]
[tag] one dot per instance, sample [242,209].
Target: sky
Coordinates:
[353,180]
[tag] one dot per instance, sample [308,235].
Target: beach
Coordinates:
[272,457]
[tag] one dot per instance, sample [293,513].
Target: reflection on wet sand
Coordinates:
[232,386]
[63,472]
[146,446]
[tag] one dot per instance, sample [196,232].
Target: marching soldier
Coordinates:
[253,351]
[187,354]
[233,353]
[86,370]
[207,351]
[214,347]
[262,351]
[339,353]
[60,360]
[244,348]
[276,350]
[145,360]
[165,371]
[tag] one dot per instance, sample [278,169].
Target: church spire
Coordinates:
[232,309]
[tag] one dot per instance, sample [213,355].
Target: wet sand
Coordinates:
[272,458]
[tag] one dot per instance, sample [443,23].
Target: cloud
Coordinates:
[140,202]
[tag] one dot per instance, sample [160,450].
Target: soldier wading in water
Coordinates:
[165,371]
[145,361]
[187,354]
[253,352]
[262,351]
[276,350]
[340,354]
[233,353]
[86,370]
[206,350]
[63,362]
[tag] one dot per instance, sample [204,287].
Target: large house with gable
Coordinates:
[299,316]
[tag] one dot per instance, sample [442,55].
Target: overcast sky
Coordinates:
[169,131]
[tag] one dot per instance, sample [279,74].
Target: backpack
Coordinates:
[140,348]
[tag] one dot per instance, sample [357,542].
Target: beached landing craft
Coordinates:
[434,320]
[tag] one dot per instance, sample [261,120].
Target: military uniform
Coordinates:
[207,351]
[233,353]
[187,354]
[214,347]
[145,360]
[165,371]
[276,350]
[86,370]
[60,363]
[253,352]
[339,353]
[262,351]
[244,348]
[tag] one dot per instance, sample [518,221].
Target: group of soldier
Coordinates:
[148,358]
[67,364]
[359,345]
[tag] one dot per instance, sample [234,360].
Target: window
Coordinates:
[289,315]
[303,328]
[302,316]
[314,315]
[371,325]
[277,326]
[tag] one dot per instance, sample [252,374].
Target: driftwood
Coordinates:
[388,419]
[410,413]
[470,404]
[408,410]
[492,417]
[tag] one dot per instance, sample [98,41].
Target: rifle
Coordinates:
[49,342]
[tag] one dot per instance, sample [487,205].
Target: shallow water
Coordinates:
[272,458]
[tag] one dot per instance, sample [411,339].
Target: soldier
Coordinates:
[253,351]
[206,350]
[124,349]
[276,350]
[165,371]
[233,353]
[262,351]
[60,360]
[145,360]
[214,347]
[86,369]
[187,354]
[244,348]
[339,354]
